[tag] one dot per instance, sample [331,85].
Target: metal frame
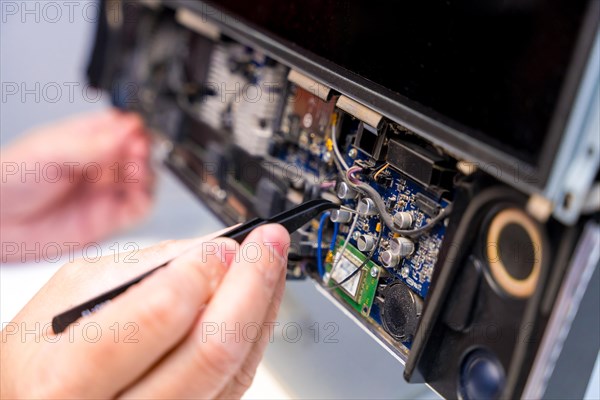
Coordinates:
[578,156]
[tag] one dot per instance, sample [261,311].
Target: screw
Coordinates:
[374,272]
[353,153]
[404,272]
[219,193]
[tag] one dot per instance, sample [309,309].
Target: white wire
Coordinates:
[340,253]
[336,149]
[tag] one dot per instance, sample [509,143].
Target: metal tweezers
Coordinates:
[292,220]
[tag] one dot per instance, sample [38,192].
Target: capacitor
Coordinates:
[345,192]
[399,248]
[365,242]
[402,246]
[341,216]
[366,206]
[403,219]
[389,259]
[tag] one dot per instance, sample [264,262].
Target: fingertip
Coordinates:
[225,249]
[274,236]
[265,251]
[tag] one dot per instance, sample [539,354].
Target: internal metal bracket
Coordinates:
[578,157]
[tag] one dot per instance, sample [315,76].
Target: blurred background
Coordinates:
[45,55]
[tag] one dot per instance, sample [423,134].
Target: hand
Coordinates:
[169,352]
[76,181]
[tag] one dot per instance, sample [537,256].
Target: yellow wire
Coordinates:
[380,170]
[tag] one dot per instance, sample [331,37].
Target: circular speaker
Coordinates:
[513,252]
[400,312]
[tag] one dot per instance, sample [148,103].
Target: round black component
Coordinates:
[481,376]
[516,251]
[400,312]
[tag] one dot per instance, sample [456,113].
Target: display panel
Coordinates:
[492,69]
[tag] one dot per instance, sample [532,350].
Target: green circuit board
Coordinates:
[359,291]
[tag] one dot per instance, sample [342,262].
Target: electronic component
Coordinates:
[342,270]
[403,219]
[389,259]
[366,242]
[213,109]
[366,206]
[246,95]
[345,192]
[402,246]
[417,162]
[254,112]
[341,216]
[370,141]
[513,250]
[361,284]
[301,140]
[417,269]
[398,248]
[427,205]
[400,312]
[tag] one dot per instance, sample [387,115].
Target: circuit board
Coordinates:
[359,291]
[305,122]
[400,194]
[304,126]
[304,143]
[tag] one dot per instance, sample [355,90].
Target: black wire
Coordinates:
[353,273]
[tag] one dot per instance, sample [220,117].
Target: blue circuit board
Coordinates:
[416,270]
[400,195]
[305,160]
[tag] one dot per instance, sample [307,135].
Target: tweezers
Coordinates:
[292,220]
